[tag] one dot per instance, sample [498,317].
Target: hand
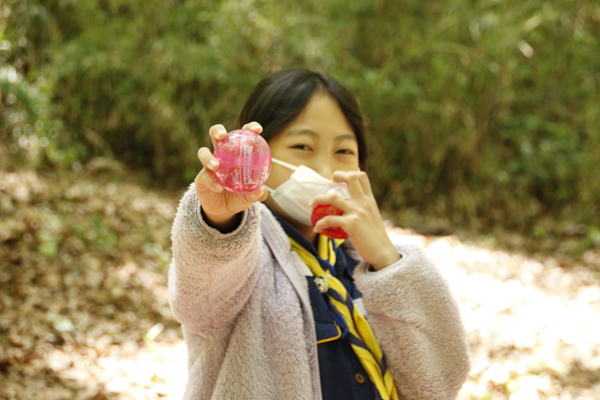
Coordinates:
[220,206]
[361,220]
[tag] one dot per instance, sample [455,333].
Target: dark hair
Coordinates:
[281,96]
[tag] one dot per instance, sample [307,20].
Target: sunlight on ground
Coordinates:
[158,370]
[533,328]
[161,368]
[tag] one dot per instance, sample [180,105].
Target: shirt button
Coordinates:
[359,378]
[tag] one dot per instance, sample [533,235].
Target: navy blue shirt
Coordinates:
[342,374]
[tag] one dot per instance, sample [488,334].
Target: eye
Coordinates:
[345,152]
[301,147]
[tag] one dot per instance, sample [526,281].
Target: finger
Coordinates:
[206,179]
[207,159]
[265,194]
[258,195]
[351,178]
[330,199]
[253,126]
[365,182]
[217,133]
[331,221]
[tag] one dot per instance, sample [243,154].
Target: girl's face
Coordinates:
[320,138]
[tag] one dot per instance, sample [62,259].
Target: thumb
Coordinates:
[260,194]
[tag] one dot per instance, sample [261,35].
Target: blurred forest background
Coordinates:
[484,125]
[485,114]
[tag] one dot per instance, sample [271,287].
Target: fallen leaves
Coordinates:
[85,313]
[82,278]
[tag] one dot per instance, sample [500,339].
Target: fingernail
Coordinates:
[218,187]
[213,164]
[222,134]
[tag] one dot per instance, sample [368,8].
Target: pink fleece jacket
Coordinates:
[242,300]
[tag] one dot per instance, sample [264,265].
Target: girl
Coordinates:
[270,308]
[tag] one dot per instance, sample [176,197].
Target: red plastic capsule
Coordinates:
[323,210]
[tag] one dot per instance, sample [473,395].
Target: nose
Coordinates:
[324,169]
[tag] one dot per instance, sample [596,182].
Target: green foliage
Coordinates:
[30,133]
[485,112]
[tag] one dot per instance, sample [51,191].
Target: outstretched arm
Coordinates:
[216,245]
[212,274]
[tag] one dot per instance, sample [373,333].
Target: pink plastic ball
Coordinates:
[245,161]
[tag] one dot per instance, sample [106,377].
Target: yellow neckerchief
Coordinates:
[363,340]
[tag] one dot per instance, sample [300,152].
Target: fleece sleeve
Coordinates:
[416,319]
[211,274]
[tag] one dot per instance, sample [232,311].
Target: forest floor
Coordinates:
[84,310]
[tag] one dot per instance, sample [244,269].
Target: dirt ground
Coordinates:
[84,310]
